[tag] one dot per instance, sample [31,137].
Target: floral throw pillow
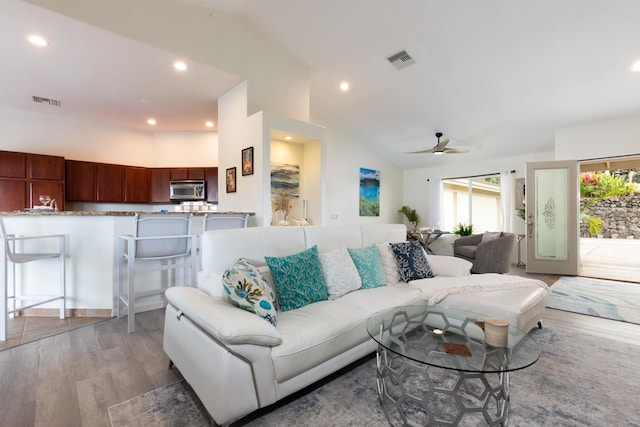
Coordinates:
[412,262]
[246,288]
[298,279]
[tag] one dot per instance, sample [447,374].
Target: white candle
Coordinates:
[496,332]
[304,209]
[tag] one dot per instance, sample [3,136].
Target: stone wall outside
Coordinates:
[621,217]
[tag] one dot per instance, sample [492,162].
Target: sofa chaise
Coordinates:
[238,362]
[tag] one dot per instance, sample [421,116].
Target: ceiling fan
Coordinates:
[441,147]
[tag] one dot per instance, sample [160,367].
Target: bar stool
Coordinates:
[224,221]
[8,296]
[157,238]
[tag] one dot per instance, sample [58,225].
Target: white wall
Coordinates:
[612,138]
[180,149]
[59,135]
[344,158]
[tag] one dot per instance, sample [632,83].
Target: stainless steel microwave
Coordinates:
[188,190]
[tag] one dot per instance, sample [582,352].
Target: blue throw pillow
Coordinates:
[298,279]
[369,266]
[412,262]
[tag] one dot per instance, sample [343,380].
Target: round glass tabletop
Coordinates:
[450,339]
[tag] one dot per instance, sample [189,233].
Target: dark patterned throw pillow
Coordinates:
[412,262]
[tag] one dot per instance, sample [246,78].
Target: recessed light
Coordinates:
[209,124]
[180,66]
[344,86]
[288,138]
[37,40]
[151,121]
[636,67]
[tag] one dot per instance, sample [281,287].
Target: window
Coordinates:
[472,201]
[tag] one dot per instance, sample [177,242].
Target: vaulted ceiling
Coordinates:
[497,77]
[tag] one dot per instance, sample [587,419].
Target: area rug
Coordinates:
[579,380]
[597,297]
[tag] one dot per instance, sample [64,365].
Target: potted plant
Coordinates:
[463,230]
[412,216]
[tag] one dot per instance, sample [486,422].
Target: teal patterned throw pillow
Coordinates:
[246,288]
[298,279]
[369,266]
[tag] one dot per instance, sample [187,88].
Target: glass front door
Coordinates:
[552,217]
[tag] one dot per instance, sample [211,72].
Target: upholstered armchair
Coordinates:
[489,252]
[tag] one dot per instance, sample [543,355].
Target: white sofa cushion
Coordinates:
[314,334]
[444,265]
[383,298]
[339,272]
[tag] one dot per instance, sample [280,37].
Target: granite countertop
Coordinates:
[42,212]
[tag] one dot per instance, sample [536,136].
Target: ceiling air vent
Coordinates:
[52,102]
[401,60]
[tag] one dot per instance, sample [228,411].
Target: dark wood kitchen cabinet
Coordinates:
[80,180]
[187,173]
[109,183]
[159,179]
[24,177]
[136,185]
[50,168]
[13,165]
[13,195]
[211,175]
[53,189]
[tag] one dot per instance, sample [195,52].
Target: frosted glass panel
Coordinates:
[551,214]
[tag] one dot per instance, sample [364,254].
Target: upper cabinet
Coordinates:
[13,165]
[80,181]
[178,174]
[24,177]
[136,185]
[159,179]
[211,175]
[109,183]
[46,167]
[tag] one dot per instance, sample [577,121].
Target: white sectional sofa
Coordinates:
[237,362]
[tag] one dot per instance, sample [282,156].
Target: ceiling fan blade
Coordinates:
[442,142]
[455,150]
[430,150]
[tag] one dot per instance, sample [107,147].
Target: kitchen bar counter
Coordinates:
[92,264]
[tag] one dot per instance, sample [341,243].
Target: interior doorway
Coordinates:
[610,219]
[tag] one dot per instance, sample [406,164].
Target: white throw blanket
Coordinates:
[438,288]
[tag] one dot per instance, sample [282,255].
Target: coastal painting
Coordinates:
[369,192]
[285,188]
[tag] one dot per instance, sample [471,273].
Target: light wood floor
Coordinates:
[72,378]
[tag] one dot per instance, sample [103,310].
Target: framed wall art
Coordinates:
[369,192]
[231,180]
[247,161]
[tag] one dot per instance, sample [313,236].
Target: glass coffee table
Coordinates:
[435,368]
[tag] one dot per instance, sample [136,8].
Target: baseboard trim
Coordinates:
[69,312]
